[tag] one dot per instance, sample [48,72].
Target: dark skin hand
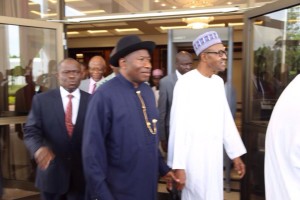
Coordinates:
[43,157]
[170,177]
[180,174]
[239,166]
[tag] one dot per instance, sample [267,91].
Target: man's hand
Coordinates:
[180,174]
[43,157]
[170,178]
[239,166]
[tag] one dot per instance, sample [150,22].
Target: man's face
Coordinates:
[184,63]
[69,75]
[97,67]
[216,61]
[136,66]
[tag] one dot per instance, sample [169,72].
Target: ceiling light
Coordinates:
[172,27]
[155,14]
[72,32]
[97,31]
[126,29]
[236,24]
[197,22]
[216,25]
[33,3]
[93,11]
[43,14]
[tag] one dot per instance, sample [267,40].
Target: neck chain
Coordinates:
[148,124]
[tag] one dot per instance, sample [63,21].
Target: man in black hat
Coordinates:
[120,146]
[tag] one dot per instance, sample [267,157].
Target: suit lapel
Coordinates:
[174,78]
[59,109]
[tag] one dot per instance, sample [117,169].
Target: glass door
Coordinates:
[29,53]
[271,61]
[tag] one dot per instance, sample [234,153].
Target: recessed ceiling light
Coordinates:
[172,27]
[236,24]
[72,32]
[97,31]
[174,7]
[229,3]
[126,29]
[43,14]
[156,1]
[93,11]
[163,4]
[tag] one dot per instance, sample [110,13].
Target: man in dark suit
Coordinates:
[184,61]
[55,145]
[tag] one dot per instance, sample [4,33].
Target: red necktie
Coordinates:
[68,116]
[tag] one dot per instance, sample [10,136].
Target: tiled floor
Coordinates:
[12,194]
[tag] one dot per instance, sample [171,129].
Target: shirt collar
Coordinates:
[65,93]
[92,81]
[128,83]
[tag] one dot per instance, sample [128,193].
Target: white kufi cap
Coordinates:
[205,40]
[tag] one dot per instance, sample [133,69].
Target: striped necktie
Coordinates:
[68,116]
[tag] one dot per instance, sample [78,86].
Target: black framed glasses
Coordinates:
[221,53]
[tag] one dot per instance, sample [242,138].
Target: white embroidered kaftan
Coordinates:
[200,124]
[282,149]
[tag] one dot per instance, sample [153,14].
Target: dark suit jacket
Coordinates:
[46,127]
[166,87]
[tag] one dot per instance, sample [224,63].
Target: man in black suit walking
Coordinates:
[184,61]
[53,135]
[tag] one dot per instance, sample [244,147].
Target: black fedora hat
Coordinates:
[127,45]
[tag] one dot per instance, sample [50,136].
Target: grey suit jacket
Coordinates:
[84,85]
[166,87]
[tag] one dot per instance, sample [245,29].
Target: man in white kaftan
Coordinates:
[201,122]
[282,149]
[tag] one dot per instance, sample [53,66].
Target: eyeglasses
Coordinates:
[221,53]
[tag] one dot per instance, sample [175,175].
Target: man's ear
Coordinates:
[203,57]
[122,63]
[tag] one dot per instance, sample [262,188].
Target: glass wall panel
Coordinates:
[276,58]
[28,60]
[272,60]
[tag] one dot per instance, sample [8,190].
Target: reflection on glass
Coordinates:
[27,67]
[276,55]
[275,62]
